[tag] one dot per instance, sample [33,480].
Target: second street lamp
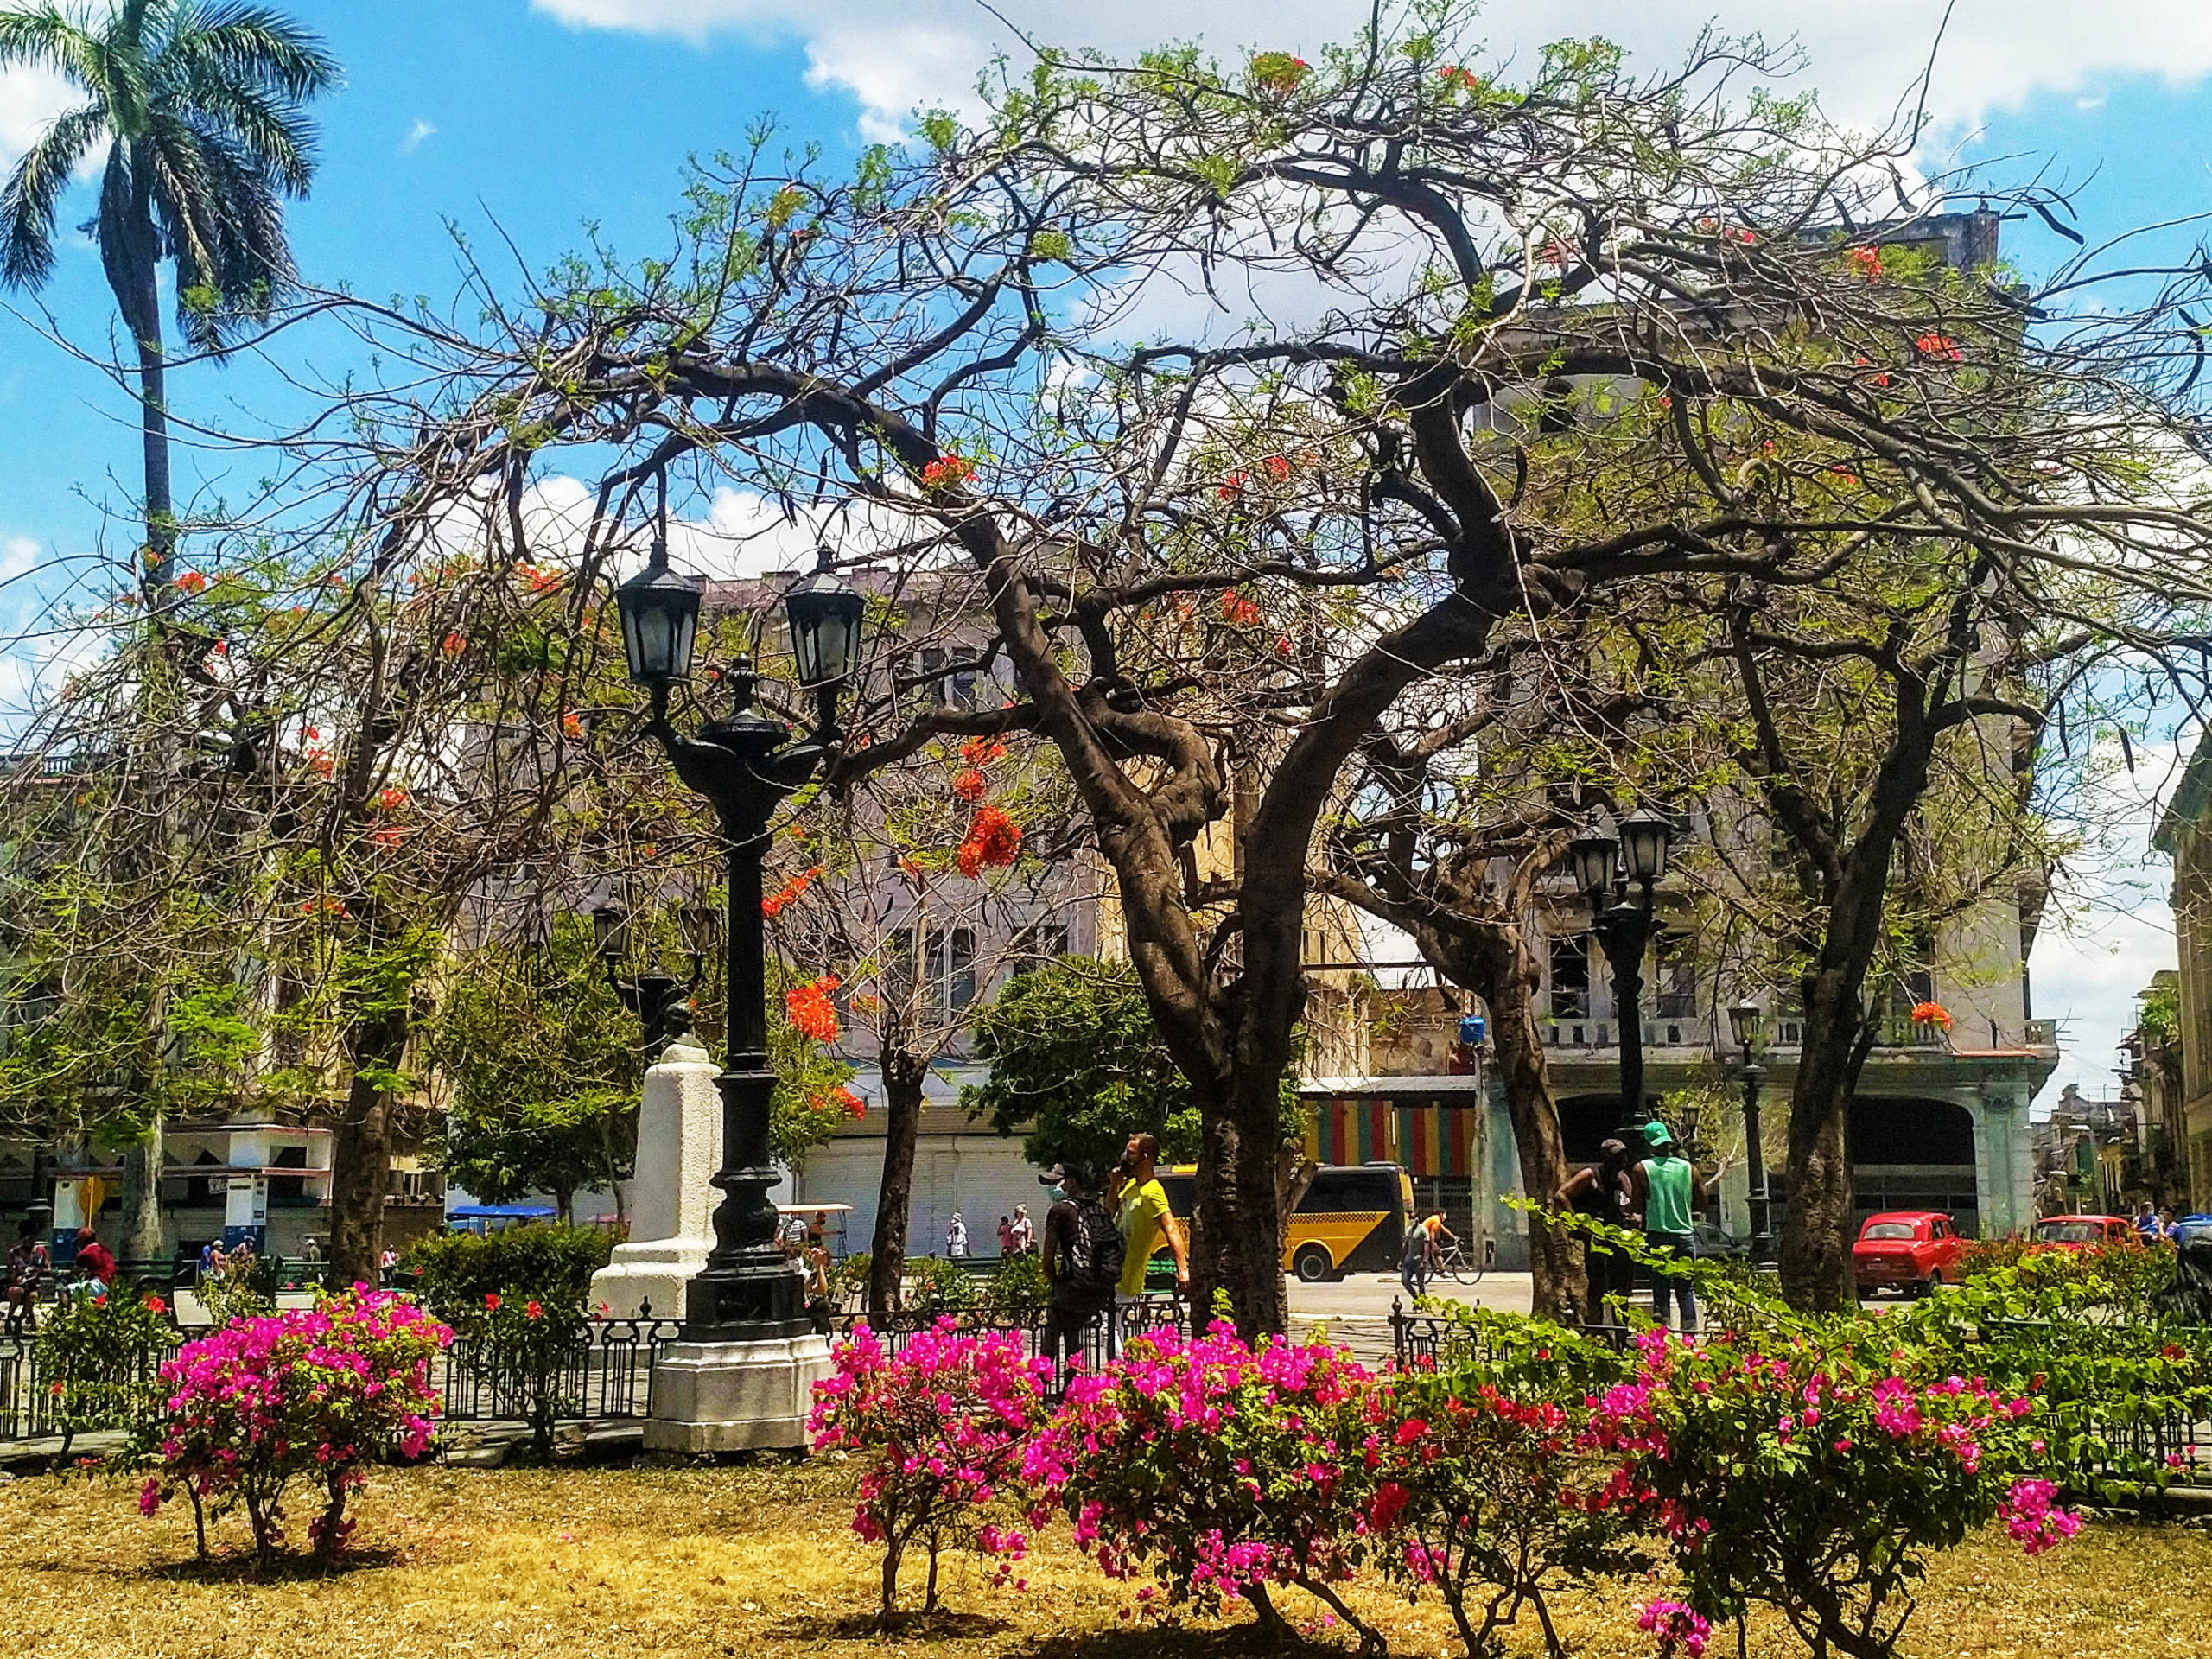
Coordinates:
[661,1001]
[1616,874]
[1743,1026]
[746,764]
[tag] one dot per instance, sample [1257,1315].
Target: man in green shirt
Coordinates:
[1666,1188]
[1142,1215]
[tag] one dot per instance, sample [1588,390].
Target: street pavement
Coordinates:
[1356,1311]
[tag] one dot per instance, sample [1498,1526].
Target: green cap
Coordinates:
[1658,1134]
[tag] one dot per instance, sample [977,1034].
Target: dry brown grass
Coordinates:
[757,1563]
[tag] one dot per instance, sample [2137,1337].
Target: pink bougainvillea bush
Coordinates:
[1217,1467]
[1490,1503]
[306,1395]
[942,1425]
[1814,1473]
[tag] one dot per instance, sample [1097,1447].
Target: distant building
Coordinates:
[2184,834]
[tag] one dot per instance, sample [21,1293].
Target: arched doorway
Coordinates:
[1585,1122]
[1912,1153]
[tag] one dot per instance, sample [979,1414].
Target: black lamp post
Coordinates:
[1616,874]
[746,764]
[661,1001]
[1744,1024]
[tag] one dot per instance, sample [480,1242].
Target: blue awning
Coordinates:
[498,1211]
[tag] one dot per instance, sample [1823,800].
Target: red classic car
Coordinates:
[2083,1232]
[1910,1250]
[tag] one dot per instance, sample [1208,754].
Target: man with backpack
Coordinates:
[1083,1254]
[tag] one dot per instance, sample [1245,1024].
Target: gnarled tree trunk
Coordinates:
[360,1150]
[902,1075]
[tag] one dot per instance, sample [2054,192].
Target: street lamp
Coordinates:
[1744,1024]
[1616,874]
[661,1001]
[746,764]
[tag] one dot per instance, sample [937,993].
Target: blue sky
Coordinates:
[526,119]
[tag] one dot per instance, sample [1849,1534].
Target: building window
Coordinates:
[955,685]
[1570,978]
[1039,945]
[1673,984]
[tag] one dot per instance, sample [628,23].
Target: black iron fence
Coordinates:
[606,1375]
[36,1402]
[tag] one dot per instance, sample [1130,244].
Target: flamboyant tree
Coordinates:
[1240,401]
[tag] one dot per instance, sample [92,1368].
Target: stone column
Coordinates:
[673,1198]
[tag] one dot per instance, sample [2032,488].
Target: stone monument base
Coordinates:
[648,1276]
[735,1397]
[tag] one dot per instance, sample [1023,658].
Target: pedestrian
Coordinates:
[1140,1211]
[2147,1224]
[818,1232]
[2168,1228]
[28,1266]
[1024,1230]
[95,1263]
[1005,1236]
[955,1238]
[207,1260]
[1600,1191]
[1414,1262]
[1083,1254]
[1666,1188]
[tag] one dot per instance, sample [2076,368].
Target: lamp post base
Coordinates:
[750,1395]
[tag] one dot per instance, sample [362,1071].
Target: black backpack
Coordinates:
[1092,1264]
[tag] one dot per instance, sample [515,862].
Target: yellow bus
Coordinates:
[1352,1219]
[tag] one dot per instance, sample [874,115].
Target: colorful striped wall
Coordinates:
[1427,1139]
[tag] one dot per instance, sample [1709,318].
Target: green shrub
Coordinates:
[936,1286]
[849,1278]
[245,1288]
[1017,1291]
[99,1360]
[550,1265]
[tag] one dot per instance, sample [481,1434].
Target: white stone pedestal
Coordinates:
[735,1397]
[679,1149]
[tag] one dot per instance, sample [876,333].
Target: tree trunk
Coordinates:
[140,1235]
[1237,1244]
[1556,1264]
[902,1076]
[1816,1233]
[360,1151]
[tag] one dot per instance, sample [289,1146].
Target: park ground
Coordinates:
[757,1562]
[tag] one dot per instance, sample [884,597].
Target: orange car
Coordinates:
[2084,1232]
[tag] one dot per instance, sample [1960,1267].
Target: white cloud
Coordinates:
[415,135]
[1998,53]
[28,99]
[2110,927]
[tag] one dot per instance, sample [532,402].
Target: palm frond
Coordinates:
[33,193]
[256,47]
[129,246]
[275,135]
[46,37]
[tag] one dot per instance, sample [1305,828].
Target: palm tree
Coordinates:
[200,108]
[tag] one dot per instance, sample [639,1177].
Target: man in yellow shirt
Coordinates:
[1142,1215]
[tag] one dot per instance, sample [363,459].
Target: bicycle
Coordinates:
[1453,1262]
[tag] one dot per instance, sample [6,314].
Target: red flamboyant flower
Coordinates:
[1865,262]
[773,904]
[810,1011]
[948,471]
[981,751]
[193,583]
[994,839]
[455,644]
[490,1301]
[970,786]
[1240,611]
[1931,1014]
[1942,346]
[392,798]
